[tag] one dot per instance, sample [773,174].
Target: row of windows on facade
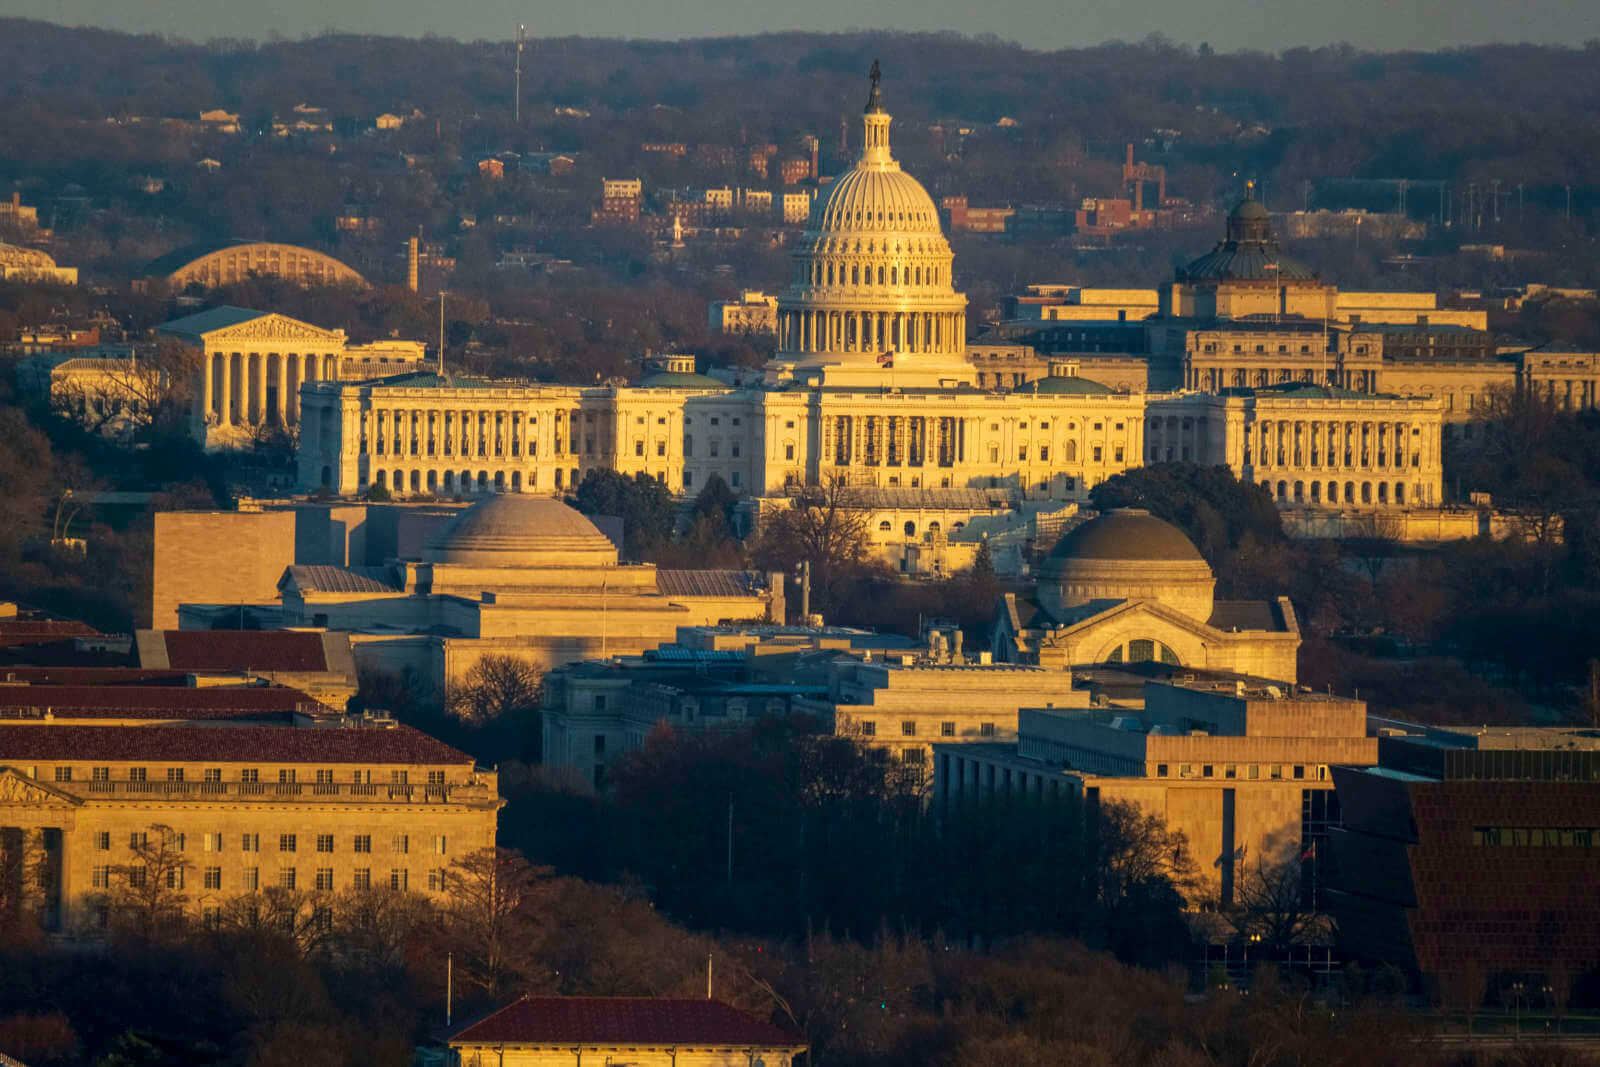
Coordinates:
[1537,836]
[217,842]
[1261,349]
[286,775]
[1285,493]
[908,728]
[1248,771]
[250,878]
[431,481]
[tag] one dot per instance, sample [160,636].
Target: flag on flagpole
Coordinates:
[886,360]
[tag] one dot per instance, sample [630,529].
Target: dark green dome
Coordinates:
[1066,385]
[679,380]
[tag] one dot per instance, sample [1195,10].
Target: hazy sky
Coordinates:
[1226,24]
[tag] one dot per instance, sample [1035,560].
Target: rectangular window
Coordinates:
[174,774]
[402,843]
[325,879]
[102,841]
[286,776]
[211,843]
[136,774]
[324,842]
[101,878]
[1208,771]
[869,729]
[138,839]
[213,878]
[398,878]
[250,843]
[947,729]
[325,777]
[251,881]
[661,448]
[439,844]
[908,728]
[63,774]
[1161,770]
[286,878]
[398,777]
[599,744]
[436,778]
[363,843]
[250,774]
[1097,453]
[213,774]
[436,880]
[285,842]
[986,729]
[362,879]
[137,878]
[100,774]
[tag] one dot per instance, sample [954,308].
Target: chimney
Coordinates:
[814,173]
[1130,155]
[411,265]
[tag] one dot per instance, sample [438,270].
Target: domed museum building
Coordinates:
[1127,587]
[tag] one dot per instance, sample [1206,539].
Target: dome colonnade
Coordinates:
[872,274]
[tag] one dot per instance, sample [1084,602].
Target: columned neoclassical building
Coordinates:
[252,366]
[871,384]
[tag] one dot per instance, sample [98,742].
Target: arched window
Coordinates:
[1072,451]
[883,526]
[855,275]
[911,529]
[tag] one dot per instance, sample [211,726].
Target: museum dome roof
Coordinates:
[1127,534]
[1127,554]
[512,530]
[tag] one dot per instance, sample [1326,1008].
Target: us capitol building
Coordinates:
[872,384]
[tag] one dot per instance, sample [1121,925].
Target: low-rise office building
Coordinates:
[1239,766]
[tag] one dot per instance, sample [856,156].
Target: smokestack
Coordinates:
[1130,154]
[814,174]
[411,264]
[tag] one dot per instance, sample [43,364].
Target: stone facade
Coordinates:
[1240,769]
[241,809]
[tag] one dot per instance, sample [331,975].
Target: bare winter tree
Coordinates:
[149,893]
[824,524]
[1269,905]
[156,387]
[488,892]
[497,688]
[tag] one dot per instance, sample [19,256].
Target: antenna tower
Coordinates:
[521,35]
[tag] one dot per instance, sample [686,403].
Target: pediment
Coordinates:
[1128,609]
[275,327]
[19,788]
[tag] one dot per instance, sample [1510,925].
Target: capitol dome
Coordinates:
[520,531]
[1127,554]
[871,277]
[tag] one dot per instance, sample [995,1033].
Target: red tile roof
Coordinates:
[15,632]
[96,676]
[198,744]
[244,650]
[625,1021]
[224,699]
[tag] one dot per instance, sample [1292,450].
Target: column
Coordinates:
[205,392]
[283,390]
[225,393]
